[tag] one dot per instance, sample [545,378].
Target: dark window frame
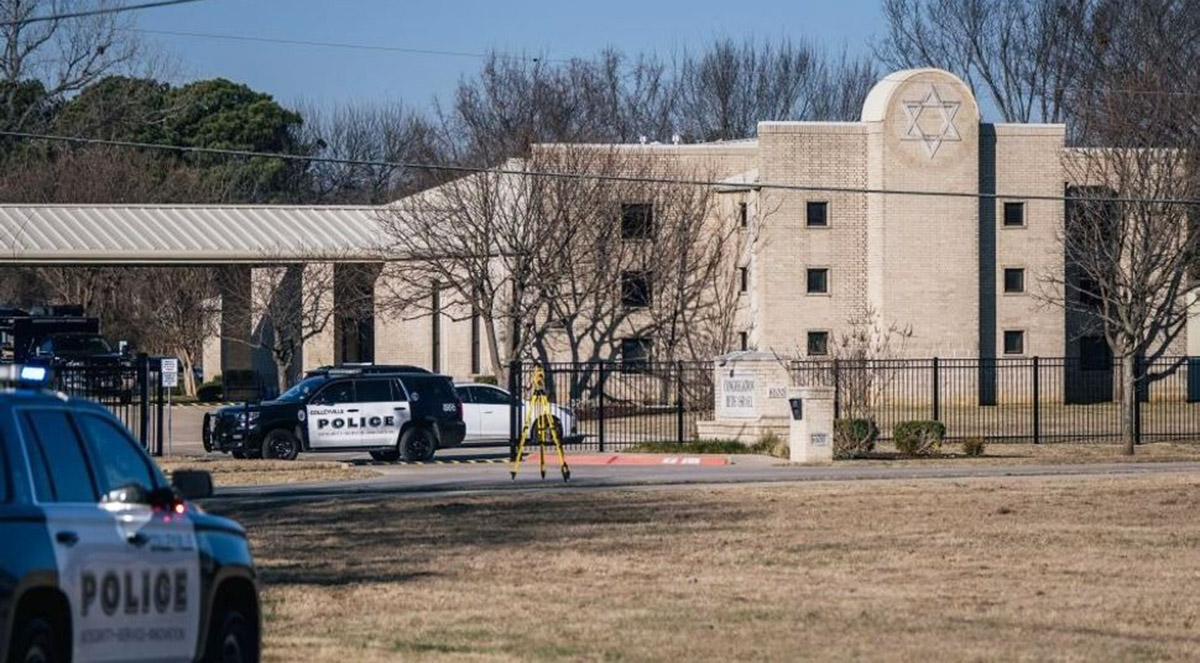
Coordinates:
[1018,210]
[816,214]
[1019,272]
[634,297]
[744,214]
[637,222]
[1019,335]
[646,343]
[810,336]
[744,275]
[808,280]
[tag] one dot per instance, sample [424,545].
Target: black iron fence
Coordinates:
[614,405]
[1020,399]
[133,392]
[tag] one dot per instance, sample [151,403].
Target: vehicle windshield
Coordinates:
[302,390]
[81,344]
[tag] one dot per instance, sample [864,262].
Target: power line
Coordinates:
[95,12]
[626,179]
[345,45]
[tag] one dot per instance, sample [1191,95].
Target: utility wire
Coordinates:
[95,12]
[562,175]
[344,45]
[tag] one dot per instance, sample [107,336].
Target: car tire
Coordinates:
[232,641]
[37,642]
[206,432]
[417,444]
[280,444]
[389,456]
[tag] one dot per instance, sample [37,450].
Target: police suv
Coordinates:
[390,414]
[100,558]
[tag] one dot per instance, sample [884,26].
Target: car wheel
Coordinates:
[417,444]
[280,444]
[36,642]
[389,456]
[233,640]
[206,432]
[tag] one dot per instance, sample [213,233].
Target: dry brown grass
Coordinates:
[246,472]
[1017,569]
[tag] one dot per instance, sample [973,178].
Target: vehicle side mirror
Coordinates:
[192,484]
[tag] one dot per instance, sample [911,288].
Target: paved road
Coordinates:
[428,481]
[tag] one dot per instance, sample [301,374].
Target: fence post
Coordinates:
[679,402]
[1137,399]
[937,406]
[159,433]
[143,377]
[1037,402]
[514,392]
[837,389]
[603,387]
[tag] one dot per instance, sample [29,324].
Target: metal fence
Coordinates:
[133,393]
[620,405]
[1022,399]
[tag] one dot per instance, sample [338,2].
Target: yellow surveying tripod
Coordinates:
[539,421]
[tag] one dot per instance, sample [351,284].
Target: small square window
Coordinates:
[1014,342]
[637,221]
[818,281]
[743,214]
[818,214]
[636,289]
[1014,280]
[818,343]
[744,275]
[636,353]
[1014,215]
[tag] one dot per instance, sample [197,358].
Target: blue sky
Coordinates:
[554,29]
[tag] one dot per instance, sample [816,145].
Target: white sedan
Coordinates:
[486,411]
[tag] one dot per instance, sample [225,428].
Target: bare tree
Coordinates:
[1023,54]
[175,314]
[1130,241]
[290,305]
[42,63]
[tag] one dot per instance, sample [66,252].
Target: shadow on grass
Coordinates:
[398,540]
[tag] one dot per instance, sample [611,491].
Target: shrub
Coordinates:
[854,438]
[692,447]
[210,392]
[973,446]
[771,444]
[919,438]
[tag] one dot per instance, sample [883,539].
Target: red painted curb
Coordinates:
[644,460]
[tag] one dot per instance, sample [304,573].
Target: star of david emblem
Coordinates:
[943,111]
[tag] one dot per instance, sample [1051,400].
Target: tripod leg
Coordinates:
[526,428]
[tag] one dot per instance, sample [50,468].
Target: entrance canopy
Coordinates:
[188,234]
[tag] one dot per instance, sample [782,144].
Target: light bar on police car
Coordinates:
[19,373]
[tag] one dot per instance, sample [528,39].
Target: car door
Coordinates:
[380,411]
[99,569]
[470,412]
[329,414]
[495,407]
[160,579]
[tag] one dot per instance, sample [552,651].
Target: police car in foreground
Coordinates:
[389,413]
[101,559]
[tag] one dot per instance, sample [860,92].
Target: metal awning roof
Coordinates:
[164,234]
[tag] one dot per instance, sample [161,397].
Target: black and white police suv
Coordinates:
[100,558]
[389,414]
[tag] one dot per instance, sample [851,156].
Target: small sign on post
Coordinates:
[170,372]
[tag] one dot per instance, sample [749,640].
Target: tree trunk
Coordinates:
[282,368]
[1128,402]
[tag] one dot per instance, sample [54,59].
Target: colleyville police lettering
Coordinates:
[388,421]
[135,592]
